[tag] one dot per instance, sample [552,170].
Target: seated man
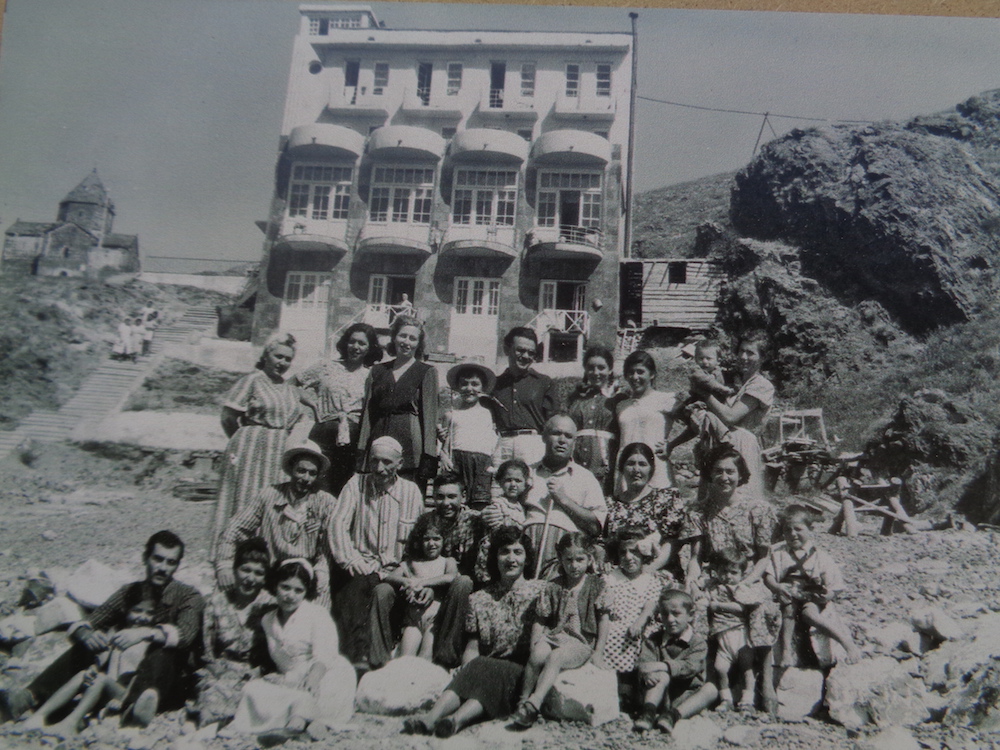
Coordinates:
[564,496]
[176,622]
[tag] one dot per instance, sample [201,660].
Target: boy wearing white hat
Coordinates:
[469,432]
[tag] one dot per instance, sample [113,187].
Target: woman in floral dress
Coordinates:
[232,636]
[257,415]
[661,513]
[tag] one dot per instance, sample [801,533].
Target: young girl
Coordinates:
[423,575]
[469,432]
[111,684]
[514,478]
[569,643]
[805,580]
[627,603]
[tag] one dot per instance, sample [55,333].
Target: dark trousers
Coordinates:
[343,458]
[369,613]
[159,669]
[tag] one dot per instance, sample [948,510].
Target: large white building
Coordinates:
[481,174]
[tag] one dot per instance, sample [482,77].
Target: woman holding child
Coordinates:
[592,407]
[659,512]
[499,626]
[233,641]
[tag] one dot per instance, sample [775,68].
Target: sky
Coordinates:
[178,103]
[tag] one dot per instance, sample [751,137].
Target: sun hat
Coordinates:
[487,375]
[308,448]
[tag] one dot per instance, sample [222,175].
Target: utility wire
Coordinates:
[748,112]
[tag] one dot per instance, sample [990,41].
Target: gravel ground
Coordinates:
[71,505]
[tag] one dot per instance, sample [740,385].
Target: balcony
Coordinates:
[381,316]
[562,321]
[566,242]
[472,241]
[427,104]
[321,140]
[354,101]
[299,233]
[571,148]
[405,143]
[590,108]
[501,104]
[488,146]
[396,238]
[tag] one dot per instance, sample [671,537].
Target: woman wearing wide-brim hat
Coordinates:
[469,432]
[291,517]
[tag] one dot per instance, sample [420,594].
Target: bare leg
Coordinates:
[536,662]
[446,705]
[557,662]
[765,660]
[722,665]
[812,615]
[88,701]
[60,698]
[745,664]
[787,635]
[652,700]
[427,645]
[409,644]
[468,713]
[706,695]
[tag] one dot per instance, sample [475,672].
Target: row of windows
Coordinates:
[498,79]
[479,197]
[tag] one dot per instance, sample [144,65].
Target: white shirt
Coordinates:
[580,485]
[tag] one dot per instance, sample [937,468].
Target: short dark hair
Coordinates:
[677,595]
[513,463]
[723,558]
[165,538]
[631,449]
[470,371]
[402,321]
[374,347]
[795,510]
[449,477]
[757,338]
[721,453]
[599,351]
[414,542]
[253,549]
[519,332]
[702,344]
[504,537]
[283,571]
[620,538]
[640,357]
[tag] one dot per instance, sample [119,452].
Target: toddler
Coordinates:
[628,601]
[572,609]
[422,575]
[709,374]
[112,684]
[672,667]
[730,603]
[805,580]
[469,432]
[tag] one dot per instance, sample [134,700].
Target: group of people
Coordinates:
[135,335]
[555,537]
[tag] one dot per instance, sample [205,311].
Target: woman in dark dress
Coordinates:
[401,401]
[592,407]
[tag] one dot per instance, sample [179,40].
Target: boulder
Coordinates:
[949,665]
[16,628]
[403,686]
[799,693]
[935,623]
[587,694]
[57,613]
[92,583]
[698,732]
[893,636]
[977,703]
[740,735]
[890,738]
[874,691]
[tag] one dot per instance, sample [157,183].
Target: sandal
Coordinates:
[525,715]
[415,725]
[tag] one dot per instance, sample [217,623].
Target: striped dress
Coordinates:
[252,460]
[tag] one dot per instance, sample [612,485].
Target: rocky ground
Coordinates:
[71,505]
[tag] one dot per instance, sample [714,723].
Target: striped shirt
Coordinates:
[368,528]
[177,612]
[290,531]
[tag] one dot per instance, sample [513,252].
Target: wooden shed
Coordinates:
[668,293]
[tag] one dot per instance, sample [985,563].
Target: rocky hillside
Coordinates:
[871,255]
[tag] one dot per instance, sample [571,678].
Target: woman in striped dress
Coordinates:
[257,415]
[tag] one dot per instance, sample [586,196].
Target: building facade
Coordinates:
[78,243]
[477,176]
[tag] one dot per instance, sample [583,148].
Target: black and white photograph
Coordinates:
[482,376]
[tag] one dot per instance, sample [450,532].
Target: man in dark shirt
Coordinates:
[174,630]
[527,399]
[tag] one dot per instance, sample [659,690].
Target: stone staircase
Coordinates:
[107,387]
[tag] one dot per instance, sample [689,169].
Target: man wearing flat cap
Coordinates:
[292,517]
